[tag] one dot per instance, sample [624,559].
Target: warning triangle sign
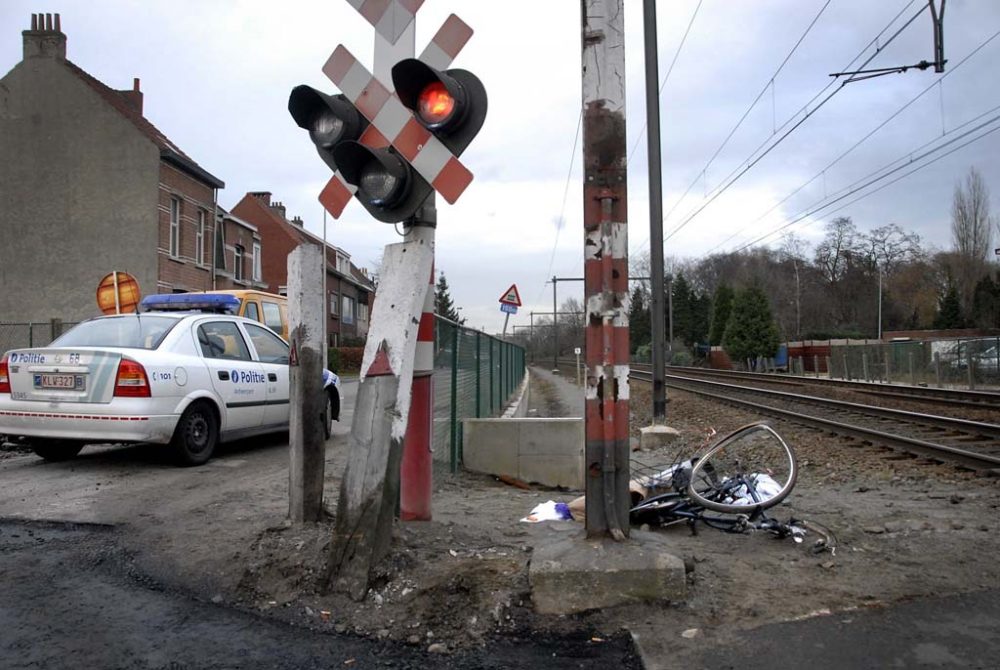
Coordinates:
[511,296]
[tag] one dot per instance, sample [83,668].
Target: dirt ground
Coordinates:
[905,528]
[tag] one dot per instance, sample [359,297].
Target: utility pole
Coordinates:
[655,209]
[605,194]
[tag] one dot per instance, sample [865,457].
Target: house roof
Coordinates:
[298,235]
[169,152]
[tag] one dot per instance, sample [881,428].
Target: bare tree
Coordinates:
[970,232]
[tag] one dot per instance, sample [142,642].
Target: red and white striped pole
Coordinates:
[417,467]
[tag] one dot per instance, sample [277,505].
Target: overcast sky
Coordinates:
[216,78]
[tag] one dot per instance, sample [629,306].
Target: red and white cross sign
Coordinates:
[393,124]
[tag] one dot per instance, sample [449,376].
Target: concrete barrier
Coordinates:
[543,451]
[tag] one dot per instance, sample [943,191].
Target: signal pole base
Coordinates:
[657,435]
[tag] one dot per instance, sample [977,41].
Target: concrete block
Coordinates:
[575,574]
[545,451]
[490,446]
[651,437]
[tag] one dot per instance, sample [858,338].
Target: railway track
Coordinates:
[970,444]
[944,396]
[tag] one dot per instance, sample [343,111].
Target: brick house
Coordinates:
[88,185]
[350,292]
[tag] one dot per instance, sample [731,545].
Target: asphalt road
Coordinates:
[73,595]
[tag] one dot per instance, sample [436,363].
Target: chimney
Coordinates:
[45,39]
[133,97]
[263,196]
[297,221]
[279,208]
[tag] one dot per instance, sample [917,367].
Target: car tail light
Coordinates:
[131,381]
[4,375]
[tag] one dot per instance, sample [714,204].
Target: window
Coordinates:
[334,339]
[257,273]
[270,348]
[272,315]
[199,239]
[362,312]
[334,304]
[222,339]
[251,311]
[175,227]
[343,264]
[238,263]
[348,313]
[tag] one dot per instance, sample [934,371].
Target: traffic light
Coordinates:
[394,150]
[450,104]
[330,119]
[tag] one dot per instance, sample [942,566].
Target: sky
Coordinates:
[216,78]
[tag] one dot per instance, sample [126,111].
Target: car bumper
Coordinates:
[102,424]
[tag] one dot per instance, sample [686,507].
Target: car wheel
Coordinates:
[56,450]
[196,434]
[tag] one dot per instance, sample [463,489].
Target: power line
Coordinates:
[870,134]
[562,211]
[770,82]
[851,191]
[734,176]
[667,76]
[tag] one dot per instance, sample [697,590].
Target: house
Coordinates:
[350,292]
[89,185]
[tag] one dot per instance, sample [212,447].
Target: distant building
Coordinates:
[88,185]
[350,292]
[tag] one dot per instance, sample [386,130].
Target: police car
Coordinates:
[183,371]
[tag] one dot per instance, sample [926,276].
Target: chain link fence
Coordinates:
[475,376]
[965,363]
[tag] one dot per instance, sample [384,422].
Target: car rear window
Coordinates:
[134,331]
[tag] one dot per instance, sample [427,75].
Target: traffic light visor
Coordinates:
[328,118]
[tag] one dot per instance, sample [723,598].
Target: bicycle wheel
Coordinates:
[748,470]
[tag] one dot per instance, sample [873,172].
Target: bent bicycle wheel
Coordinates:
[748,470]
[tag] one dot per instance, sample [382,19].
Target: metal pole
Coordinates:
[670,314]
[555,329]
[655,209]
[479,375]
[453,417]
[879,302]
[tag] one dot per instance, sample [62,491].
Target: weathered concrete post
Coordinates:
[605,223]
[306,443]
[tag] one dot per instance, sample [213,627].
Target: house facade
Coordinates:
[349,290]
[88,185]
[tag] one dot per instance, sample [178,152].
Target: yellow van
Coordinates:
[268,308]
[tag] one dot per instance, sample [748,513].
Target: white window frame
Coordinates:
[334,303]
[199,239]
[238,262]
[175,228]
[362,312]
[257,262]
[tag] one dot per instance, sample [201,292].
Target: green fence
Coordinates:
[962,362]
[475,375]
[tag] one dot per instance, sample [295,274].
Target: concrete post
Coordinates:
[969,369]
[913,372]
[937,369]
[306,442]
[864,365]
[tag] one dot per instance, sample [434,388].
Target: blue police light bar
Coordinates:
[190,302]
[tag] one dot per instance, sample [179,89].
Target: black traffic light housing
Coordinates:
[411,77]
[388,187]
[330,119]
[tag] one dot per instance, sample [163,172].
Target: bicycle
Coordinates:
[727,485]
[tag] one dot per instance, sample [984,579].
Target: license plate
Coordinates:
[54,381]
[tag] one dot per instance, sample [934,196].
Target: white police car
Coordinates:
[167,375]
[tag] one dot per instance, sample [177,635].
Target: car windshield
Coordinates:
[133,331]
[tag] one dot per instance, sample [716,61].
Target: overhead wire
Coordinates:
[868,136]
[751,161]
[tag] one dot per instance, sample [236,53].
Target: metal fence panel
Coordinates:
[959,362]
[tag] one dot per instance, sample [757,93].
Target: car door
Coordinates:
[272,352]
[237,378]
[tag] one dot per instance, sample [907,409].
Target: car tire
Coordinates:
[196,434]
[56,450]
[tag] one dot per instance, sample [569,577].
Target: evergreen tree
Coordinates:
[986,303]
[682,309]
[443,305]
[722,305]
[950,311]
[701,309]
[751,332]
[640,329]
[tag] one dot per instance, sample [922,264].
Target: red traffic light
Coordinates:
[435,105]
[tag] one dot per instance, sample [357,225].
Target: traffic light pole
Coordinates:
[606,294]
